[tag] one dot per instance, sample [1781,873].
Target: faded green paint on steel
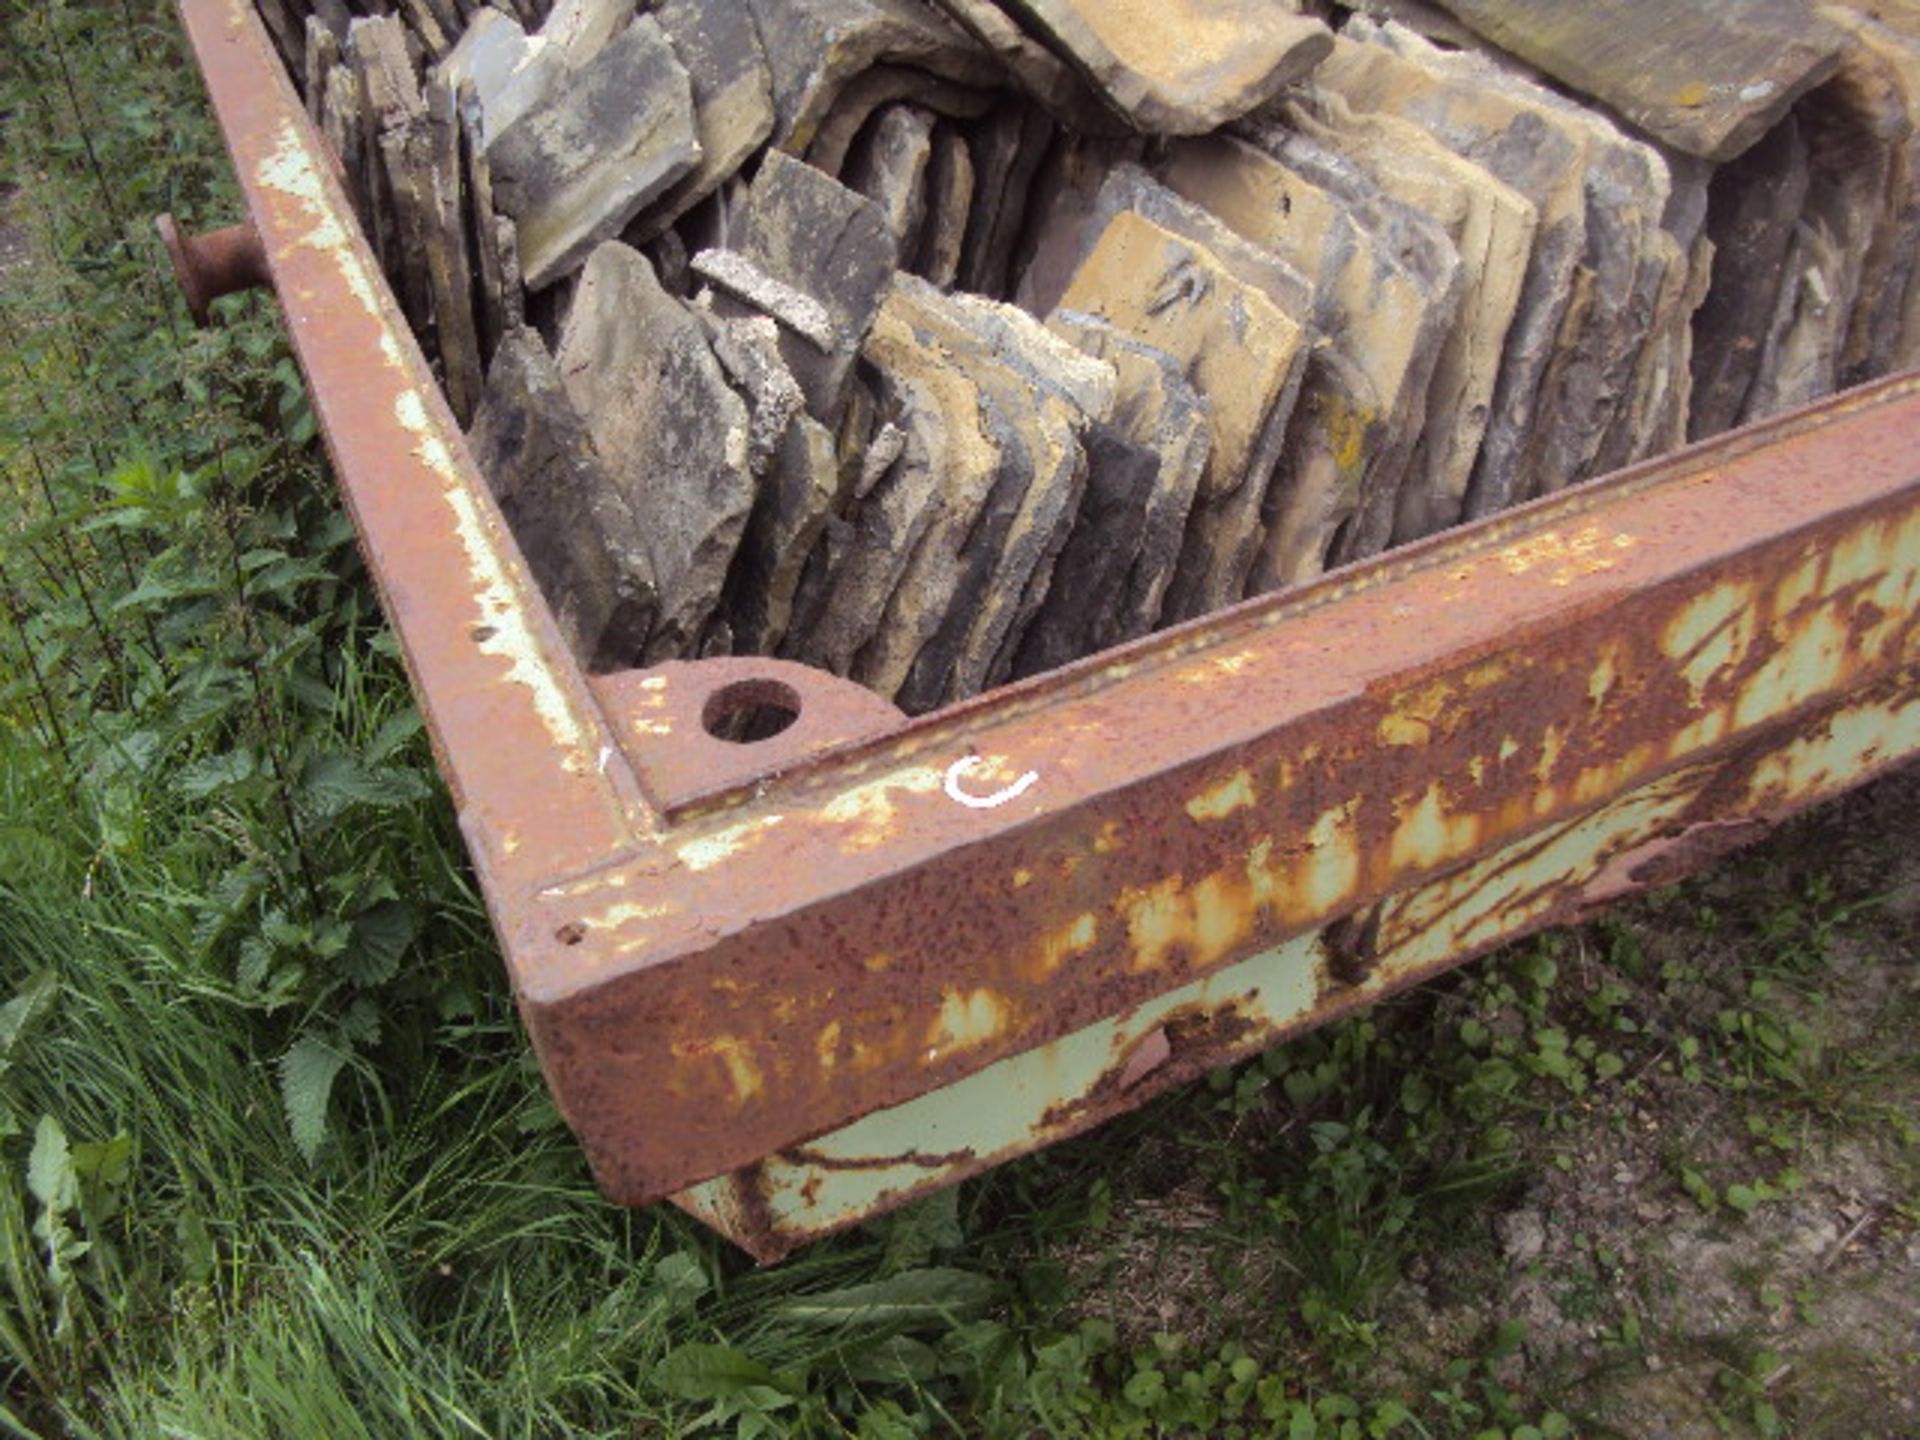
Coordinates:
[1001,1110]
[1037,1098]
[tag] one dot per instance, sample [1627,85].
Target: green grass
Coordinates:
[275,1158]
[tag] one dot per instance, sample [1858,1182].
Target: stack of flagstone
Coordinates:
[940,344]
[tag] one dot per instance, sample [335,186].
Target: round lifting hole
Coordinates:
[480,634]
[571,934]
[746,711]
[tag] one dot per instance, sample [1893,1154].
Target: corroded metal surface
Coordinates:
[864,927]
[1056,898]
[1649,836]
[219,262]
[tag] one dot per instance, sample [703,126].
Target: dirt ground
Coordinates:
[1724,1239]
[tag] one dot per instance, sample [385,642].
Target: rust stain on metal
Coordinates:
[726,952]
[219,262]
[1386,737]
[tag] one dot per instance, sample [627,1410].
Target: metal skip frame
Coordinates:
[789,983]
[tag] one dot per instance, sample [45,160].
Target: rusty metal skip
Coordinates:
[790,983]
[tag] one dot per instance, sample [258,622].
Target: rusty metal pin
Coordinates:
[220,262]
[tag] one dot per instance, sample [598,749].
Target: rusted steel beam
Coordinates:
[832,939]
[729,953]
[1649,836]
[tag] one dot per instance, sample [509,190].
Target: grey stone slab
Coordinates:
[1492,227]
[881,86]
[581,29]
[594,150]
[888,165]
[673,434]
[1056,394]
[1363,400]
[508,70]
[815,47]
[1180,67]
[823,241]
[1157,408]
[871,548]
[388,95]
[406,165]
[491,295]
[449,256]
[1008,145]
[1242,320]
[1543,161]
[803,484]
[1853,127]
[1044,77]
[425,24]
[1406,258]
[949,202]
[1888,65]
[580,537]
[321,55]
[946,552]
[344,125]
[1088,586]
[1007,556]
[1755,204]
[1706,79]
[1627,260]
[732,98]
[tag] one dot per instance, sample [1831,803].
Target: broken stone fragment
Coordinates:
[1238,317]
[1155,407]
[822,242]
[595,150]
[578,533]
[716,42]
[815,47]
[889,167]
[739,277]
[1706,79]
[748,349]
[670,430]
[1491,227]
[1181,67]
